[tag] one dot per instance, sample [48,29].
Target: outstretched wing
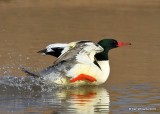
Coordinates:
[79,51]
[70,54]
[54,49]
[58,49]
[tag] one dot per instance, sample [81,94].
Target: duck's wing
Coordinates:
[57,49]
[82,51]
[54,49]
[66,59]
[70,54]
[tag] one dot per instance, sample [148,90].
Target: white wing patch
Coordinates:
[85,58]
[56,45]
[68,47]
[86,55]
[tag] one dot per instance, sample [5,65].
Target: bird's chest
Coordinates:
[87,69]
[84,74]
[90,73]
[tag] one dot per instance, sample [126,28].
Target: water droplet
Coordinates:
[28,58]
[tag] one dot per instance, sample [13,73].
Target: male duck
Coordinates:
[74,67]
[79,63]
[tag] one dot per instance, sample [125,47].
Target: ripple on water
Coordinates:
[141,98]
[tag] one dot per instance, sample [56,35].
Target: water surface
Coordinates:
[28,26]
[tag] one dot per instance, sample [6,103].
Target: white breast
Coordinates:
[105,70]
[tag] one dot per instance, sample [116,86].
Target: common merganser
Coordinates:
[72,67]
[81,69]
[102,58]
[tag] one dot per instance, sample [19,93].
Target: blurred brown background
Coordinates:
[26,26]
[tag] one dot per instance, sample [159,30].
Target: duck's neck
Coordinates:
[103,56]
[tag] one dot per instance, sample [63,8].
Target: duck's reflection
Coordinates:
[83,100]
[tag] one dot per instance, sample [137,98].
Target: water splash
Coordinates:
[28,83]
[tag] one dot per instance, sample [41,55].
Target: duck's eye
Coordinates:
[114,43]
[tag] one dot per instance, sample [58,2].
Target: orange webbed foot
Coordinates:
[83,77]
